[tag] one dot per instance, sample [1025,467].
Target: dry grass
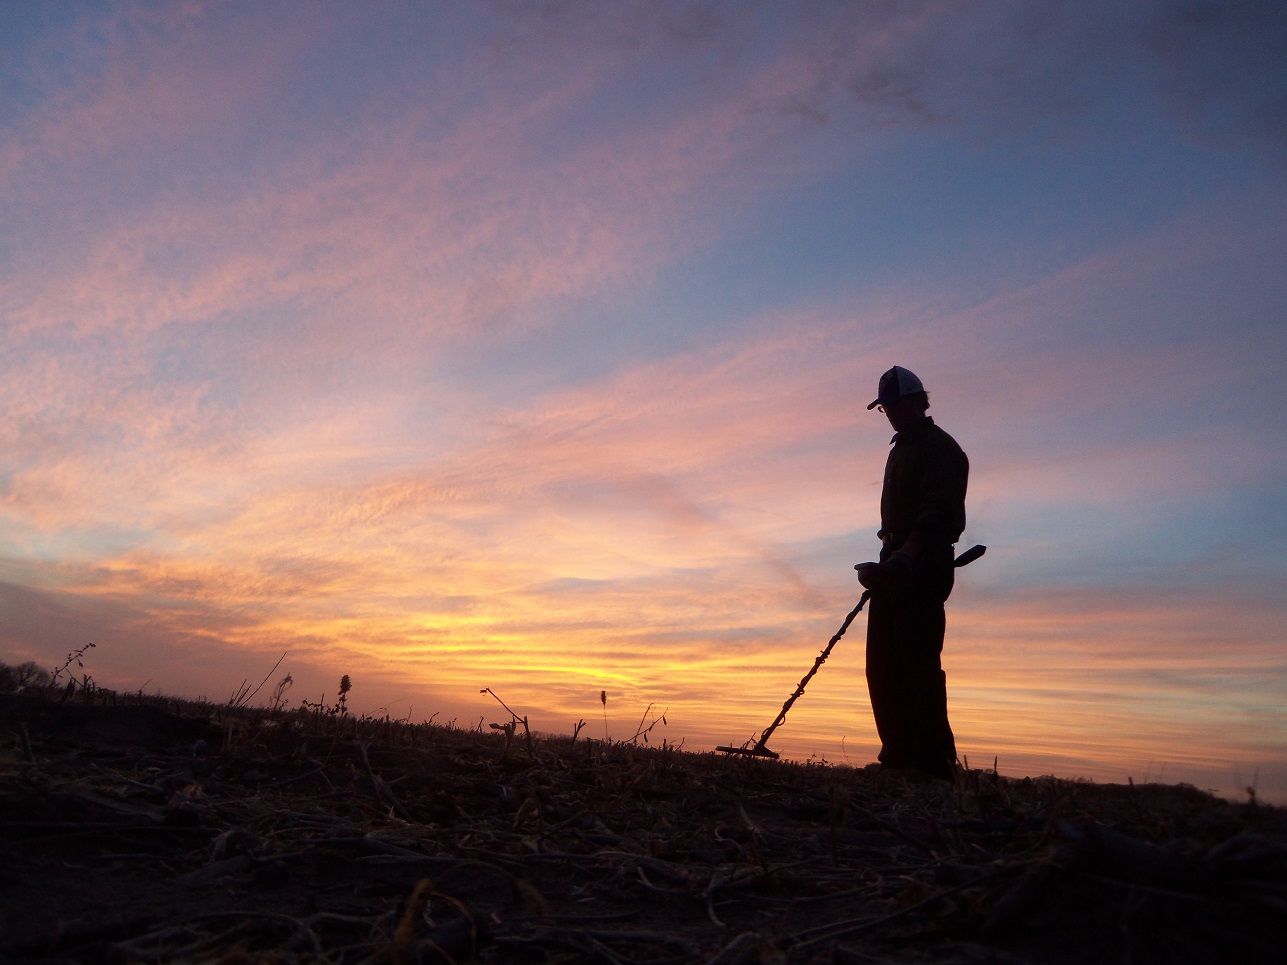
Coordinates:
[147,829]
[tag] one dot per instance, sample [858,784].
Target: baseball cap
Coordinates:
[895,384]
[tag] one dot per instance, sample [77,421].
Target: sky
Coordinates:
[526,346]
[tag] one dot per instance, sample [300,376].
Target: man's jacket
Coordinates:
[923,500]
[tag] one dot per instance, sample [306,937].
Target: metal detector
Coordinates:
[760,750]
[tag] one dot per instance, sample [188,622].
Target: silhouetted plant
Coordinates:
[342,705]
[512,726]
[277,702]
[85,684]
[75,656]
[338,710]
[24,676]
[243,694]
[641,730]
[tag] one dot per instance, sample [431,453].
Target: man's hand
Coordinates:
[895,570]
[868,574]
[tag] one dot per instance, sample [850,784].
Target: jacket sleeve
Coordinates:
[940,515]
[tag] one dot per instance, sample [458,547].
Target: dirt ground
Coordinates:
[156,830]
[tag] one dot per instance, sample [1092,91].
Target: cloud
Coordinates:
[666,464]
[415,228]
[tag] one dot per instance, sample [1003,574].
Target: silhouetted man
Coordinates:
[922,513]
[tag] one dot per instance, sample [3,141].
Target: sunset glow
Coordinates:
[527,346]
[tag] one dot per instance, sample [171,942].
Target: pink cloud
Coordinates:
[423,235]
[116,84]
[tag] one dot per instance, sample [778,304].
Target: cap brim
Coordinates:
[873,405]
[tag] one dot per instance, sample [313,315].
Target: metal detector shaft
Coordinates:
[760,750]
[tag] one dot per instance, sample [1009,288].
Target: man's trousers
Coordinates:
[905,678]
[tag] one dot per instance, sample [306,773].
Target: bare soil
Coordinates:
[140,830]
